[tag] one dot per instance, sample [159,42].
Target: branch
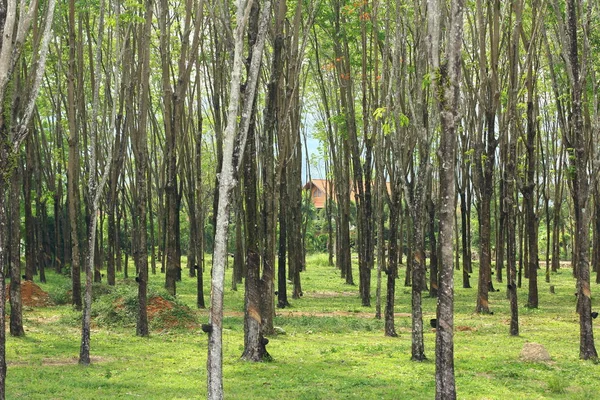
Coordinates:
[21,129]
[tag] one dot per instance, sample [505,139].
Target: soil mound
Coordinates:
[32,295]
[534,352]
[165,314]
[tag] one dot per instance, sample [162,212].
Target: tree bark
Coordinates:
[140,148]
[580,184]
[226,184]
[254,342]
[447,86]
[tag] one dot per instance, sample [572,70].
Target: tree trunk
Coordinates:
[16,305]
[31,231]
[269,206]
[140,149]
[199,203]
[447,87]
[392,268]
[578,157]
[509,203]
[226,184]
[433,250]
[485,147]
[72,168]
[466,250]
[172,123]
[3,242]
[254,342]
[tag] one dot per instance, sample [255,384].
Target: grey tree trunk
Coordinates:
[448,76]
[227,182]
[14,32]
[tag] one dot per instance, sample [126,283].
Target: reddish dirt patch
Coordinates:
[170,315]
[465,328]
[157,305]
[32,295]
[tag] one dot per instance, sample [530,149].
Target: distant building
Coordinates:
[321,188]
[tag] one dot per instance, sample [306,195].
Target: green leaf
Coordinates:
[426,81]
[404,121]
[379,113]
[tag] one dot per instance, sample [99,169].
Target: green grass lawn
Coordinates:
[333,349]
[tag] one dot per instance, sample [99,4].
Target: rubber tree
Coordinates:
[234,135]
[447,73]
[576,54]
[16,22]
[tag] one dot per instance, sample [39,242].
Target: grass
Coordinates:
[333,349]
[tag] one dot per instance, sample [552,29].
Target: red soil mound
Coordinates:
[32,295]
[157,305]
[169,315]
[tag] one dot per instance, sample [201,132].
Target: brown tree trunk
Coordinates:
[3,253]
[16,305]
[509,202]
[485,147]
[269,205]
[433,250]
[31,232]
[140,148]
[466,250]
[72,168]
[254,342]
[392,267]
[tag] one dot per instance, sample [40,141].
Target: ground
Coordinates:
[333,348]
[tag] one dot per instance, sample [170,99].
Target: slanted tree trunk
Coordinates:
[227,183]
[95,188]
[199,200]
[15,25]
